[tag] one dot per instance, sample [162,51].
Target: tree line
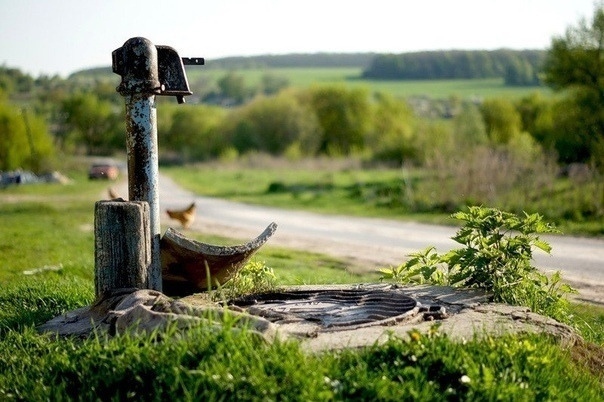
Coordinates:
[518,67]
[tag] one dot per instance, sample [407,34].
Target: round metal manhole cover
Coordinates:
[332,309]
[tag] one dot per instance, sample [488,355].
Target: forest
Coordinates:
[518,67]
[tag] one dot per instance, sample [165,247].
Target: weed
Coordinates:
[254,277]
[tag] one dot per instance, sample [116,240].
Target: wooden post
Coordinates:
[122,246]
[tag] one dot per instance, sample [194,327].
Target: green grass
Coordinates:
[54,230]
[298,77]
[47,225]
[205,364]
[435,89]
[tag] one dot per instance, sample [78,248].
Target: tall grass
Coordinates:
[515,183]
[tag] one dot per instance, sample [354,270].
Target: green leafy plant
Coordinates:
[254,277]
[497,258]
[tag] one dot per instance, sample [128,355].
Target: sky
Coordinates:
[63,36]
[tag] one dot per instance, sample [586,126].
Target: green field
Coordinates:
[435,89]
[302,77]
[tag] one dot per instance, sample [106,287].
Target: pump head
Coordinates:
[152,70]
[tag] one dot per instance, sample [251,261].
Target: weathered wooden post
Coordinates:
[127,234]
[122,248]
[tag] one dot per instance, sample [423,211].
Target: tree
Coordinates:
[392,136]
[520,73]
[232,86]
[344,116]
[575,63]
[13,80]
[94,122]
[194,133]
[501,119]
[24,140]
[272,83]
[272,124]
[469,128]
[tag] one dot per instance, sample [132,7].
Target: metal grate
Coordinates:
[332,309]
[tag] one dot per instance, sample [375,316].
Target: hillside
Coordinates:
[465,64]
[310,60]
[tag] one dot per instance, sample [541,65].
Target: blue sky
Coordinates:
[63,36]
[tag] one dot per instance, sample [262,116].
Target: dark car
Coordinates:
[17,177]
[103,171]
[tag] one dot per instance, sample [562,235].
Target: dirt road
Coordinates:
[367,243]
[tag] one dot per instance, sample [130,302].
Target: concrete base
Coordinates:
[469,314]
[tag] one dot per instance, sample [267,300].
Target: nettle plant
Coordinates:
[497,257]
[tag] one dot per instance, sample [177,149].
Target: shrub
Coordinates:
[497,258]
[272,124]
[254,277]
[505,176]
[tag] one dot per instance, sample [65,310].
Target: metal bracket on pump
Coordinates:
[172,73]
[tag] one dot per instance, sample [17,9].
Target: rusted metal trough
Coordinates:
[189,266]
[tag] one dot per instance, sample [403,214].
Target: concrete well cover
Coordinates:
[334,309]
[363,316]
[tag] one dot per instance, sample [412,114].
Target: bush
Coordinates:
[24,141]
[497,258]
[344,117]
[254,277]
[271,125]
[507,176]
[195,132]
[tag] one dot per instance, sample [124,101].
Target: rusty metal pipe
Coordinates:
[137,63]
[141,142]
